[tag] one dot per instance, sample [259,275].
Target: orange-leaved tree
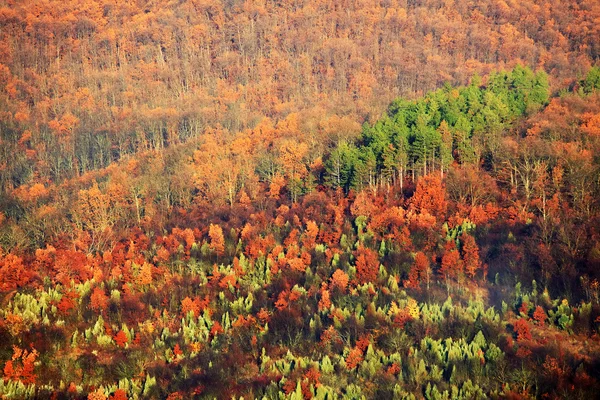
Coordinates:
[217,241]
[451,267]
[419,272]
[430,196]
[367,265]
[339,280]
[98,300]
[470,252]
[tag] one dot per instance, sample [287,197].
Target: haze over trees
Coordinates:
[395,199]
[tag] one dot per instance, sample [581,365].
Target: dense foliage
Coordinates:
[209,199]
[476,277]
[85,83]
[421,136]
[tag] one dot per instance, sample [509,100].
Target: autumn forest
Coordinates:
[297,199]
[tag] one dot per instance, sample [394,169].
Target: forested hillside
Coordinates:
[86,83]
[299,199]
